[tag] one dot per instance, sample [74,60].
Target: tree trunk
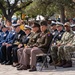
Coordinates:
[9,17]
[10,10]
[62,14]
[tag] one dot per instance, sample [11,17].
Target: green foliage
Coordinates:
[37,7]
[42,7]
[49,7]
[8,8]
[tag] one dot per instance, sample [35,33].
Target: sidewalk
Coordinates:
[9,70]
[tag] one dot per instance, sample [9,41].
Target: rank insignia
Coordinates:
[48,33]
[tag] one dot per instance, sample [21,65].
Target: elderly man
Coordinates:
[24,39]
[66,39]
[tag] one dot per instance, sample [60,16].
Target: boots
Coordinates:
[32,69]
[54,62]
[68,64]
[28,66]
[22,67]
[61,63]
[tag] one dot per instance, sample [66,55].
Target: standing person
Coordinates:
[41,46]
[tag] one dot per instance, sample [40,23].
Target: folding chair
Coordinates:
[47,54]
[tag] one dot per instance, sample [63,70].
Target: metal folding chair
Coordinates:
[47,54]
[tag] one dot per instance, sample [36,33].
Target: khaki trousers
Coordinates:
[19,54]
[29,56]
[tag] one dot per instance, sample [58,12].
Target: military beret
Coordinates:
[35,25]
[43,23]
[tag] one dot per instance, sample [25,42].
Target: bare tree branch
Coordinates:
[17,9]
[15,3]
[13,7]
[8,3]
[3,9]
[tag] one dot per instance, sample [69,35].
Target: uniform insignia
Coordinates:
[48,33]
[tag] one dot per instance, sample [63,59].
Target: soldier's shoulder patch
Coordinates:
[48,33]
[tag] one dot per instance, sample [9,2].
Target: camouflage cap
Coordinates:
[67,24]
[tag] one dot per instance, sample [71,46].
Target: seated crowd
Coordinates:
[20,47]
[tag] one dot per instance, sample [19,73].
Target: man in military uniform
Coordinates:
[24,39]
[56,40]
[0,39]
[66,39]
[41,46]
[53,29]
[3,36]
[70,47]
[16,40]
[31,42]
[0,28]
[8,40]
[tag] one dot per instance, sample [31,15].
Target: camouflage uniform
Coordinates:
[69,49]
[65,42]
[66,38]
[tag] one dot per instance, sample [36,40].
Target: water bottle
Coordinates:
[48,59]
[38,66]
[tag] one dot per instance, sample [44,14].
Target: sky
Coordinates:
[11,1]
